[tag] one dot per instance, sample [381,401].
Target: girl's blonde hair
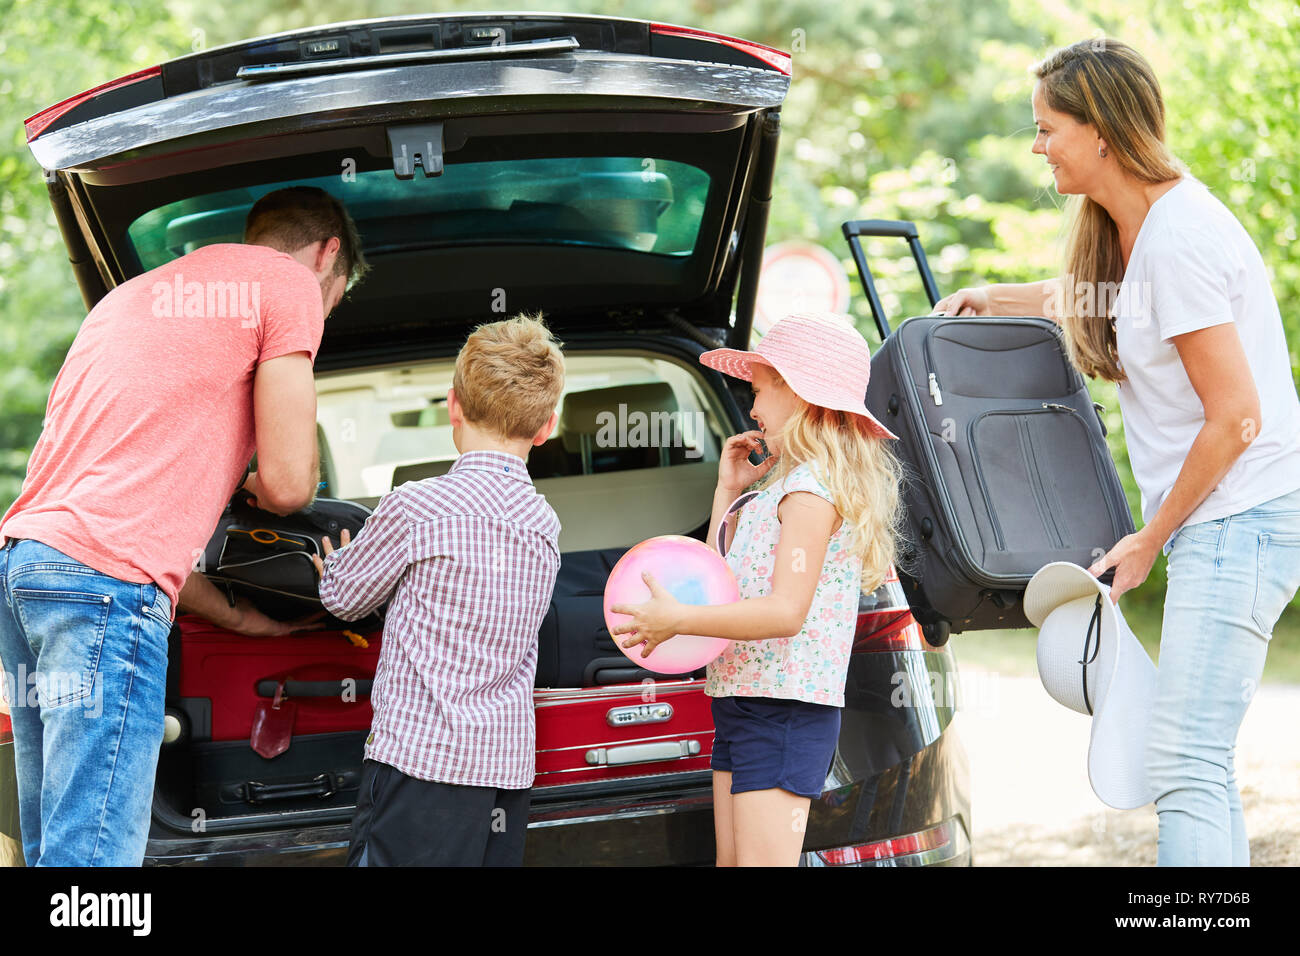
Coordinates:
[1109,85]
[858,469]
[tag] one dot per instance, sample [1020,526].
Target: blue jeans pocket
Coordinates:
[1203,532]
[156,606]
[70,627]
[1277,573]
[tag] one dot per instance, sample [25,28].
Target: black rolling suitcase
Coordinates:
[1005,453]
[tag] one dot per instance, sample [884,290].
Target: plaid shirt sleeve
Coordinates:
[361,576]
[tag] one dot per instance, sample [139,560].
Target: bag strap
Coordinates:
[733,507]
[1094,624]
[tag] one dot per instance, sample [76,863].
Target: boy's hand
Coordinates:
[653,622]
[344,537]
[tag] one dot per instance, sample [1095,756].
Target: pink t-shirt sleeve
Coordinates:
[292,314]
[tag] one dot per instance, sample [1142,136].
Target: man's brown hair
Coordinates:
[509,376]
[288,219]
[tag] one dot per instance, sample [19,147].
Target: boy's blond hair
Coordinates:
[509,376]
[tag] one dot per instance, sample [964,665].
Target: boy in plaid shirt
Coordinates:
[469,559]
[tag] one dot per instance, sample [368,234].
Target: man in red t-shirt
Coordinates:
[174,379]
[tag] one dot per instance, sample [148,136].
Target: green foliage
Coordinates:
[50,51]
[911,109]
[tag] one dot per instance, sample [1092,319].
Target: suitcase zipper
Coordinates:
[934,390]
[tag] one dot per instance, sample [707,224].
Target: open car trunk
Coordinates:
[242,762]
[614,174]
[599,717]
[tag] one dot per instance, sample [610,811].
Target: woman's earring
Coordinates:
[1101,151]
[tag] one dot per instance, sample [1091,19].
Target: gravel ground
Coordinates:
[1032,804]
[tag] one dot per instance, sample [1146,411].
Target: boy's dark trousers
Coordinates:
[405,821]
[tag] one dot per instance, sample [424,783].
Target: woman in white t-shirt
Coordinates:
[1166,295]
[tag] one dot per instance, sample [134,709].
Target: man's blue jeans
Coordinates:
[85,665]
[1229,581]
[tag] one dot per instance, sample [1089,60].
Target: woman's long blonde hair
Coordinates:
[1108,84]
[858,469]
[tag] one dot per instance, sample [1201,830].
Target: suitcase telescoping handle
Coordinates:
[893,228]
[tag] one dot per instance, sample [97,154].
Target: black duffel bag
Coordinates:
[266,557]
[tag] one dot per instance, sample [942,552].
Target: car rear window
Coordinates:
[635,203]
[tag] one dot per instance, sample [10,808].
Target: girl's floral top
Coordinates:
[813,664]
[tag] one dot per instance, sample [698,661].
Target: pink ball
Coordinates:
[689,570]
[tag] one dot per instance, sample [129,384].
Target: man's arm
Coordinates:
[200,596]
[284,411]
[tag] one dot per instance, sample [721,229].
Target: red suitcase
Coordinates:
[632,730]
[324,673]
[237,755]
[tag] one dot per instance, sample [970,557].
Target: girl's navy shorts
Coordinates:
[768,742]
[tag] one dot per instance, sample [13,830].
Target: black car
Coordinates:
[614,174]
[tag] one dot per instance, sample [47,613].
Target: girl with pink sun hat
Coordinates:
[817,527]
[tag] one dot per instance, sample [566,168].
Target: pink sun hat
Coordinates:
[821,356]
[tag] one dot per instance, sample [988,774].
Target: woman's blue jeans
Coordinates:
[85,669]
[1229,581]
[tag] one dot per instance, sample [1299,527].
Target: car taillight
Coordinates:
[888,631]
[36,125]
[934,838]
[885,622]
[777,59]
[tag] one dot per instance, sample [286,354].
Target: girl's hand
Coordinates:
[964,302]
[734,470]
[653,622]
[1132,558]
[344,537]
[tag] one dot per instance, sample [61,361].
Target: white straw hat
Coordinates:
[1091,662]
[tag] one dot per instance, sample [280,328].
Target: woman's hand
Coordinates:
[964,302]
[653,622]
[344,537]
[734,470]
[1132,558]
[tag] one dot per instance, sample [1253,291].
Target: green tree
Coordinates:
[50,51]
